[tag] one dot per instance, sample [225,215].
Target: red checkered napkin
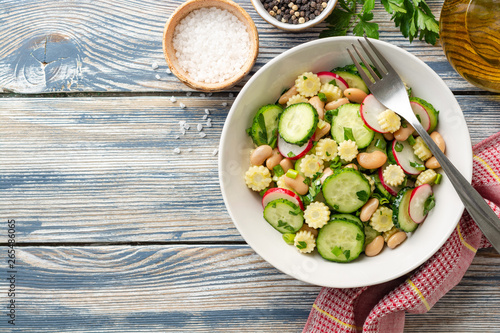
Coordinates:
[381,308]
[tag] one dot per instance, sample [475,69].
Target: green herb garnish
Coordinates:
[413,17]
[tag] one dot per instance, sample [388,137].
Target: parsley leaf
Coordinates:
[301,245]
[362,195]
[413,17]
[429,204]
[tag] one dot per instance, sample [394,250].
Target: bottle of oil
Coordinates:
[470,35]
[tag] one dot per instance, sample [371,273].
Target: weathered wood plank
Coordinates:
[49,46]
[104,169]
[200,289]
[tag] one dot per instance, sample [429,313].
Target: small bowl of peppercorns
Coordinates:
[294,15]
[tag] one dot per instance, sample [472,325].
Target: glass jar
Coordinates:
[470,36]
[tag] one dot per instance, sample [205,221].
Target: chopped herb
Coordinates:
[418,166]
[429,204]
[290,154]
[281,223]
[411,140]
[307,181]
[289,238]
[291,173]
[301,245]
[327,153]
[381,144]
[304,77]
[438,179]
[347,254]
[289,227]
[294,212]
[337,251]
[381,199]
[262,125]
[330,114]
[399,147]
[322,96]
[418,117]
[273,205]
[278,171]
[261,193]
[362,195]
[334,82]
[336,207]
[348,134]
[336,163]
[404,125]
[359,237]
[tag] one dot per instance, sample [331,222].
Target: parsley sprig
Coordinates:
[413,17]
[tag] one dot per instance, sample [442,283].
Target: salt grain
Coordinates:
[202,134]
[189,93]
[211,44]
[158,77]
[173,99]
[207,111]
[199,127]
[154,65]
[215,152]
[205,116]
[177,151]
[182,105]
[168,71]
[224,104]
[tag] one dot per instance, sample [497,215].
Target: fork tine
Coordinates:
[367,65]
[365,77]
[372,58]
[384,62]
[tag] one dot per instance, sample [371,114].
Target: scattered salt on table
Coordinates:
[173,99]
[207,111]
[177,151]
[199,127]
[158,77]
[182,105]
[211,44]
[154,65]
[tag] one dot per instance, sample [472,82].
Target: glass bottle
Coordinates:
[470,36]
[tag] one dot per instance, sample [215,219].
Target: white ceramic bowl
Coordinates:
[245,207]
[259,7]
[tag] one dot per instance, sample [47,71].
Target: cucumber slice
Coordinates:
[431,111]
[346,190]
[264,130]
[340,241]
[348,118]
[348,217]
[353,80]
[400,214]
[284,216]
[297,123]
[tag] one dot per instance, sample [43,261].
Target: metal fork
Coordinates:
[390,90]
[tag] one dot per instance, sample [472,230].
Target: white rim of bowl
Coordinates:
[259,7]
[224,133]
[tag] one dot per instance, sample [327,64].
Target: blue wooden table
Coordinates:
[115,231]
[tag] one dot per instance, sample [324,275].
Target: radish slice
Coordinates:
[326,77]
[405,157]
[418,200]
[291,151]
[281,193]
[421,114]
[370,110]
[393,190]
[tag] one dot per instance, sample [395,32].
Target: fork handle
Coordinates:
[478,209]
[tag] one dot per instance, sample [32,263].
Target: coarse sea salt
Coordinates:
[211,44]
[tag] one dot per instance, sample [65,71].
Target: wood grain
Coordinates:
[52,46]
[104,169]
[202,289]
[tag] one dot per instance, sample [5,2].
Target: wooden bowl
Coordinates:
[169,51]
